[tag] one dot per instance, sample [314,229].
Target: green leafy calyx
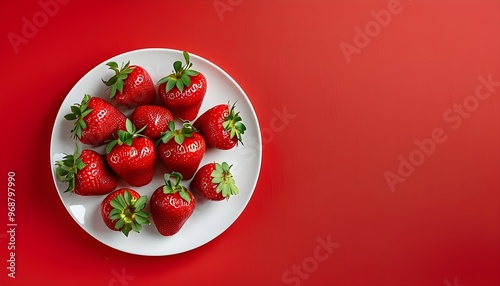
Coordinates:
[126,136]
[78,113]
[68,167]
[181,75]
[224,180]
[171,187]
[129,213]
[178,135]
[232,123]
[116,82]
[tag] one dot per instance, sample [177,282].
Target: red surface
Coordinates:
[331,130]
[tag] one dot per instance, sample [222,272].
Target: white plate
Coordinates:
[209,219]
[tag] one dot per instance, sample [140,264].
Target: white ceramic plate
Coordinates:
[209,219]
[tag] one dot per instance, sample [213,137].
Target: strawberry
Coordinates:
[214,181]
[86,173]
[183,91]
[171,205]
[181,150]
[96,120]
[221,127]
[131,85]
[122,210]
[155,118]
[132,156]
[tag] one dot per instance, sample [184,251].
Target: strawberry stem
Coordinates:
[126,136]
[180,76]
[68,167]
[172,188]
[222,177]
[116,82]
[187,130]
[78,113]
[128,211]
[233,124]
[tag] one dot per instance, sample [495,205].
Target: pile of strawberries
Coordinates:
[134,143]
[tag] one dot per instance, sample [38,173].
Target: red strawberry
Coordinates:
[87,173]
[181,150]
[132,156]
[221,127]
[171,206]
[131,85]
[122,210]
[183,91]
[96,120]
[155,118]
[214,181]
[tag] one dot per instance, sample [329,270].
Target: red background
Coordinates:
[323,170]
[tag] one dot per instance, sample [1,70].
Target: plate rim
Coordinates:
[164,50]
